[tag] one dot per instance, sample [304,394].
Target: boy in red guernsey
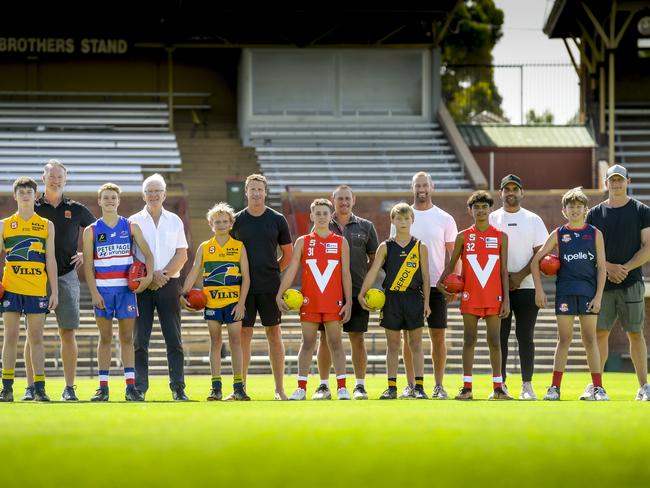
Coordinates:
[327,292]
[484,252]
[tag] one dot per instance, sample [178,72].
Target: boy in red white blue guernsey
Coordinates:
[579,289]
[108,255]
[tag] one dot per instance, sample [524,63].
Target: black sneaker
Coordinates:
[240,395]
[133,395]
[215,395]
[359,393]
[419,393]
[40,395]
[178,394]
[389,394]
[29,394]
[101,395]
[7,395]
[69,394]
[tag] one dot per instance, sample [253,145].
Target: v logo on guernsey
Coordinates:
[322,279]
[483,274]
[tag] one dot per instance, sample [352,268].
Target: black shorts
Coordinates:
[358,320]
[438,306]
[402,311]
[265,305]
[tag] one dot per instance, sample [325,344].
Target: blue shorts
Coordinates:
[572,305]
[121,305]
[15,302]
[225,315]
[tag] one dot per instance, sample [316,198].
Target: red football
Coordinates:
[454,283]
[196,298]
[2,290]
[549,265]
[137,270]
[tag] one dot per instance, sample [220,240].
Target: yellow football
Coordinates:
[375,298]
[293,298]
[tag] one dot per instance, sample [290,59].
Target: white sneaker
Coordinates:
[343,394]
[360,393]
[527,392]
[644,393]
[439,393]
[600,394]
[299,394]
[407,393]
[552,394]
[589,393]
[322,393]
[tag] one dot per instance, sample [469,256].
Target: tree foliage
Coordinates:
[545,118]
[472,34]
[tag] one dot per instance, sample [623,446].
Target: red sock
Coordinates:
[597,379]
[340,381]
[302,384]
[557,378]
[467,381]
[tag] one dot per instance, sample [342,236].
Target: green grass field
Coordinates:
[373,443]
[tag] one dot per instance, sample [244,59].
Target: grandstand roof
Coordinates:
[228,24]
[526,136]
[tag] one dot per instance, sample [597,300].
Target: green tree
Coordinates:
[472,34]
[545,118]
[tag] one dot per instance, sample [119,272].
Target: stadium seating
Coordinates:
[633,145]
[368,156]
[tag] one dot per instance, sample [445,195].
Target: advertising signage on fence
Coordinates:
[57,45]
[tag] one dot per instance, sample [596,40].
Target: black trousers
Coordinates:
[165,300]
[522,306]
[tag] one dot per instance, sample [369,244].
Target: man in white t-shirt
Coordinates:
[437,229]
[526,235]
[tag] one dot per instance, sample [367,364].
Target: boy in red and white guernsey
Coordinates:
[108,254]
[327,292]
[484,252]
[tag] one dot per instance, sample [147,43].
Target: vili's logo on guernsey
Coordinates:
[113,250]
[322,279]
[566,238]
[483,274]
[582,256]
[491,243]
[331,247]
[21,249]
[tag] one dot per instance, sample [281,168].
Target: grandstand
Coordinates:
[633,145]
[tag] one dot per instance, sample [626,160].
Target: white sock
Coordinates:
[325,382]
[361,381]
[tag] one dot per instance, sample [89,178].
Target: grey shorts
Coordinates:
[67,312]
[626,304]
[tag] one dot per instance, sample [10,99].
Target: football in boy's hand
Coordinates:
[375,299]
[196,298]
[549,265]
[293,299]
[454,283]
[136,270]
[2,290]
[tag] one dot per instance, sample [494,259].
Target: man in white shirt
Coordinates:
[526,235]
[437,229]
[165,235]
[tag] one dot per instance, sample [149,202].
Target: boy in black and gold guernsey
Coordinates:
[28,241]
[407,296]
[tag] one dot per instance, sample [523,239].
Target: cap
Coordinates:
[617,169]
[511,179]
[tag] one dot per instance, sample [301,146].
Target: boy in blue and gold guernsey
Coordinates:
[222,265]
[29,266]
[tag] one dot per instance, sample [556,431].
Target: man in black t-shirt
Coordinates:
[625,224]
[67,216]
[262,230]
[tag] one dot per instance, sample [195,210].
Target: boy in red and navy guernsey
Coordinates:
[108,254]
[484,253]
[579,290]
[327,293]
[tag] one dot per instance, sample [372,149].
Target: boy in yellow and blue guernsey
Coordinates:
[108,255]
[222,265]
[30,264]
